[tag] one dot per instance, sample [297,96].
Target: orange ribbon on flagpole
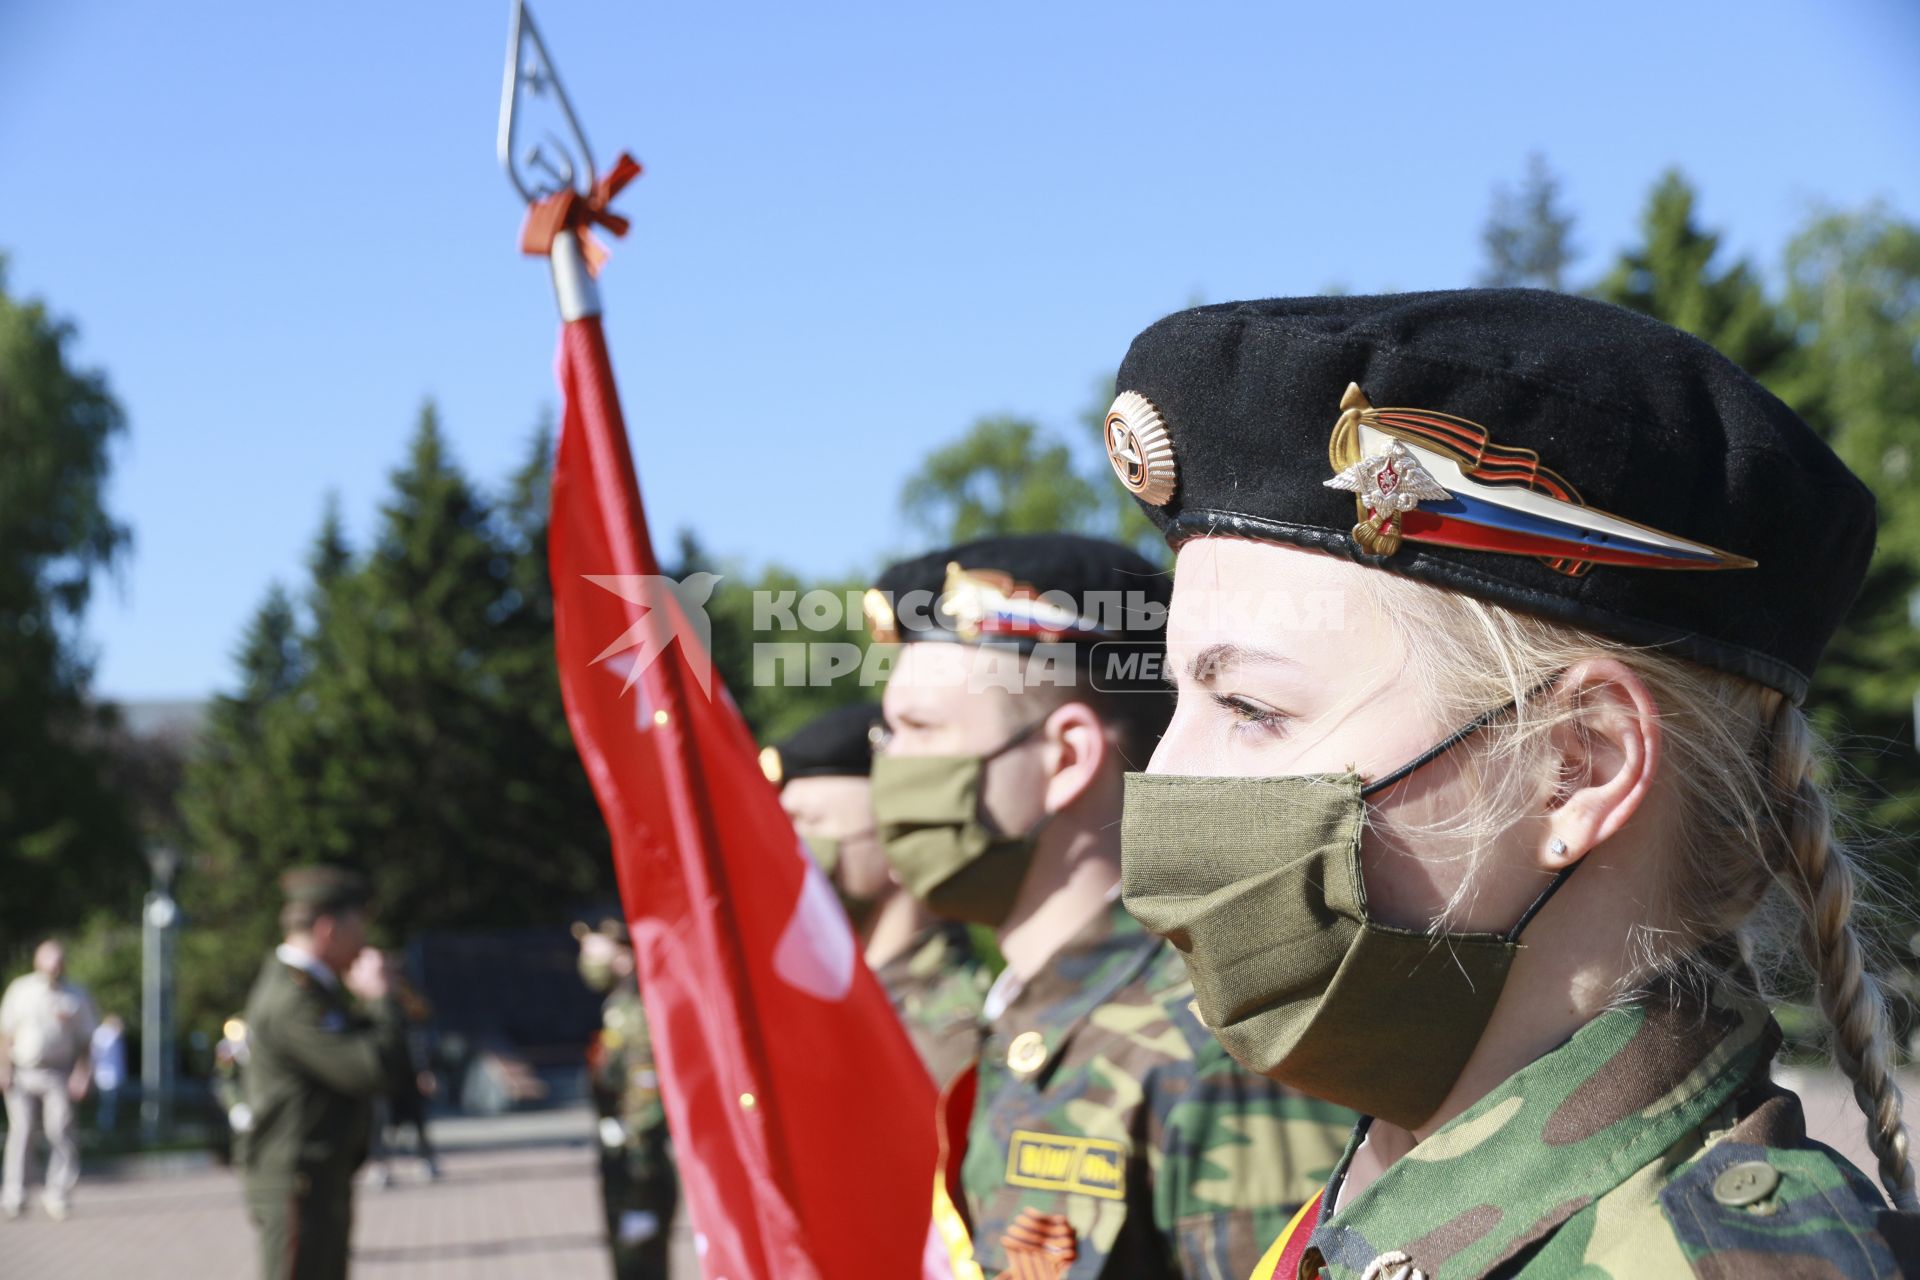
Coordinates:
[568,210]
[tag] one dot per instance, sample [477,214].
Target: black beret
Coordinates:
[1549,453]
[1103,603]
[838,744]
[327,888]
[1020,590]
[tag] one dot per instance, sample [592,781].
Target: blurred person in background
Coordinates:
[315,1062]
[229,1063]
[109,1054]
[46,1034]
[405,1106]
[638,1186]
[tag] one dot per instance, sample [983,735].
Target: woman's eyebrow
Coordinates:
[1211,661]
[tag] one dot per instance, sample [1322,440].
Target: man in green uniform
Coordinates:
[315,1064]
[1103,1131]
[927,965]
[638,1188]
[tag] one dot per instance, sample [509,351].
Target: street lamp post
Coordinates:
[157,923]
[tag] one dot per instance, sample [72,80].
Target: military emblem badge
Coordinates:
[1390,483]
[1418,475]
[1140,448]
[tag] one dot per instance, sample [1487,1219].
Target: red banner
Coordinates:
[801,1117]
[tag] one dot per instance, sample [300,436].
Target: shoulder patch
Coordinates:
[1056,1162]
[1732,1217]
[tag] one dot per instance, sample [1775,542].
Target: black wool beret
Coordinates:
[837,744]
[1099,602]
[1020,590]
[1548,453]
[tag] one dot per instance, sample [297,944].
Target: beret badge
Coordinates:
[1418,475]
[772,766]
[1141,448]
[881,622]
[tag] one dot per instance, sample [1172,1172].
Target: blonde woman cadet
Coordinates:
[1489,808]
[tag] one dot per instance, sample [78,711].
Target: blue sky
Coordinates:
[280,228]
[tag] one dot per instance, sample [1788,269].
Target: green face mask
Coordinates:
[1256,881]
[598,977]
[826,853]
[927,809]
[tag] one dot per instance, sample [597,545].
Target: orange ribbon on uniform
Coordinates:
[568,210]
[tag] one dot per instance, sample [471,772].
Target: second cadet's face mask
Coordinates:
[826,853]
[1256,881]
[939,842]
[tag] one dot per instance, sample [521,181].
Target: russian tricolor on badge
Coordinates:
[1422,476]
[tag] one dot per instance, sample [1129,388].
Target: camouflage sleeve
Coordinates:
[1237,1155]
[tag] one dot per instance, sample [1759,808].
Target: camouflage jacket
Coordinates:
[626,1085]
[1649,1146]
[937,985]
[1104,1102]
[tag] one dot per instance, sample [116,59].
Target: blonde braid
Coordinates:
[1819,875]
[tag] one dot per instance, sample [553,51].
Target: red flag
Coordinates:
[801,1116]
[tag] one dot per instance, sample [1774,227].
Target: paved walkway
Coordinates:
[519,1198]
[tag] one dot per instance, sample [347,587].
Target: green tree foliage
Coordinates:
[1675,274]
[67,843]
[1528,238]
[1011,475]
[410,725]
[1853,292]
[1005,475]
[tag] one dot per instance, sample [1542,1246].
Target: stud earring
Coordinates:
[1557,847]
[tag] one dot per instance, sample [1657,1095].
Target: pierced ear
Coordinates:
[1607,755]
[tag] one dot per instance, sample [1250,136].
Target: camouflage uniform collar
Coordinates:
[1553,1138]
[1111,951]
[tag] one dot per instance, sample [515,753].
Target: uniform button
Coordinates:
[1394,1265]
[1027,1052]
[1748,1182]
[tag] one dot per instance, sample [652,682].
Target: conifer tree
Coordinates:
[67,842]
[1841,350]
[1528,238]
[409,725]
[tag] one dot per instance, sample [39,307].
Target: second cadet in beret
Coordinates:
[1026,684]
[317,1058]
[927,965]
[1491,843]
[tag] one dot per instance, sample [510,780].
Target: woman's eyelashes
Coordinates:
[1250,716]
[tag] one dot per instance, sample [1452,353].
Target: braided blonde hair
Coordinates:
[1756,860]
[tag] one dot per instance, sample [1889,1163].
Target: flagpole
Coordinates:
[564,203]
[575,290]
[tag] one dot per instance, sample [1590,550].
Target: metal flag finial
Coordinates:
[540,161]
